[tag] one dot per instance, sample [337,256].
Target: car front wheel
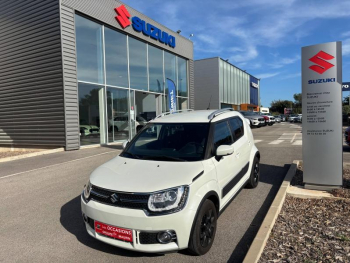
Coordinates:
[204,229]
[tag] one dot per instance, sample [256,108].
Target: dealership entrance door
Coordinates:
[144,107]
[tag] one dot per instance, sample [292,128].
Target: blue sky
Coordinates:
[263,37]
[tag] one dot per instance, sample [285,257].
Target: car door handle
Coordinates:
[237,155]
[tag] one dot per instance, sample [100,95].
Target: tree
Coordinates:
[297,100]
[279,105]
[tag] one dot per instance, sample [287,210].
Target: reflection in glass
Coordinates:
[145,108]
[89,50]
[138,64]
[118,115]
[155,64]
[116,58]
[90,97]
[169,68]
[182,104]
[182,77]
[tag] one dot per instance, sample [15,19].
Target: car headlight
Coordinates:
[170,200]
[87,190]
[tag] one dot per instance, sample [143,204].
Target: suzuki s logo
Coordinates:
[322,65]
[123,16]
[114,198]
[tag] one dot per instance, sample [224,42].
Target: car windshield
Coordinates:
[169,142]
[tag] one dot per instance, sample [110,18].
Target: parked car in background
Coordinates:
[269,119]
[255,119]
[86,130]
[299,118]
[165,191]
[121,123]
[277,118]
[346,135]
[292,117]
[283,117]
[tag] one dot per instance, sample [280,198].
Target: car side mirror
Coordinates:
[125,143]
[224,150]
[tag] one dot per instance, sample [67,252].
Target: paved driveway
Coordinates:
[40,206]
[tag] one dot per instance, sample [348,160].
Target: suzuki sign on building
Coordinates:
[139,25]
[322,115]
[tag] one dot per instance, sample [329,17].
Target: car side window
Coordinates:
[222,135]
[236,128]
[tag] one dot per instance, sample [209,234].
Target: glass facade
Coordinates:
[122,82]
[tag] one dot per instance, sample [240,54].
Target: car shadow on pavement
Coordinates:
[269,174]
[71,219]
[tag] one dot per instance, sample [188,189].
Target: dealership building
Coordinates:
[219,84]
[77,73]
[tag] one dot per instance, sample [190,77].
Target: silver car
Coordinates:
[255,119]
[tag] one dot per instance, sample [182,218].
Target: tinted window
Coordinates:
[236,127]
[89,50]
[116,58]
[222,135]
[155,68]
[138,64]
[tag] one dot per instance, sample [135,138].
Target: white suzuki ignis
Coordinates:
[165,191]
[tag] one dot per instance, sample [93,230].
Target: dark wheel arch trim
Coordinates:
[207,196]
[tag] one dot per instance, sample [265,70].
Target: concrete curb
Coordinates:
[23,156]
[263,234]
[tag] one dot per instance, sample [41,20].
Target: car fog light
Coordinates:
[85,218]
[166,236]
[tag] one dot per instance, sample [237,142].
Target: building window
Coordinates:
[138,64]
[118,114]
[155,69]
[182,104]
[90,120]
[89,50]
[116,58]
[169,68]
[182,77]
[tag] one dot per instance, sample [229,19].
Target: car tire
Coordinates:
[204,229]
[254,174]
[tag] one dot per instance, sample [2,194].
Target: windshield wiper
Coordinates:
[133,155]
[164,157]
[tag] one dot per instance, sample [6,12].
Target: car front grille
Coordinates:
[119,199]
[261,119]
[148,238]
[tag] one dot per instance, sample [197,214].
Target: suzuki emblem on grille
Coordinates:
[114,198]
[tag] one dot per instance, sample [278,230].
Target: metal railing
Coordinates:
[168,113]
[218,112]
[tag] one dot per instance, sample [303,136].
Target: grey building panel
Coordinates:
[206,83]
[191,95]
[103,11]
[70,79]
[31,93]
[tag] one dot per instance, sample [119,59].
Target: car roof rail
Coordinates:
[168,113]
[218,112]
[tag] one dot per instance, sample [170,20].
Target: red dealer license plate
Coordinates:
[114,232]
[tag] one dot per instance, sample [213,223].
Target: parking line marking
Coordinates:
[293,137]
[37,169]
[257,141]
[298,142]
[276,142]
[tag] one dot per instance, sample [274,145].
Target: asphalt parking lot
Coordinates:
[40,205]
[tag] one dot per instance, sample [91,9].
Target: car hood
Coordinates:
[134,175]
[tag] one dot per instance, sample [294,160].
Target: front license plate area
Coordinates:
[113,231]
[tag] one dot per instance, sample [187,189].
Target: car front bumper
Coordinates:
[137,221]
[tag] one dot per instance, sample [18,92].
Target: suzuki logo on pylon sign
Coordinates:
[322,65]
[123,16]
